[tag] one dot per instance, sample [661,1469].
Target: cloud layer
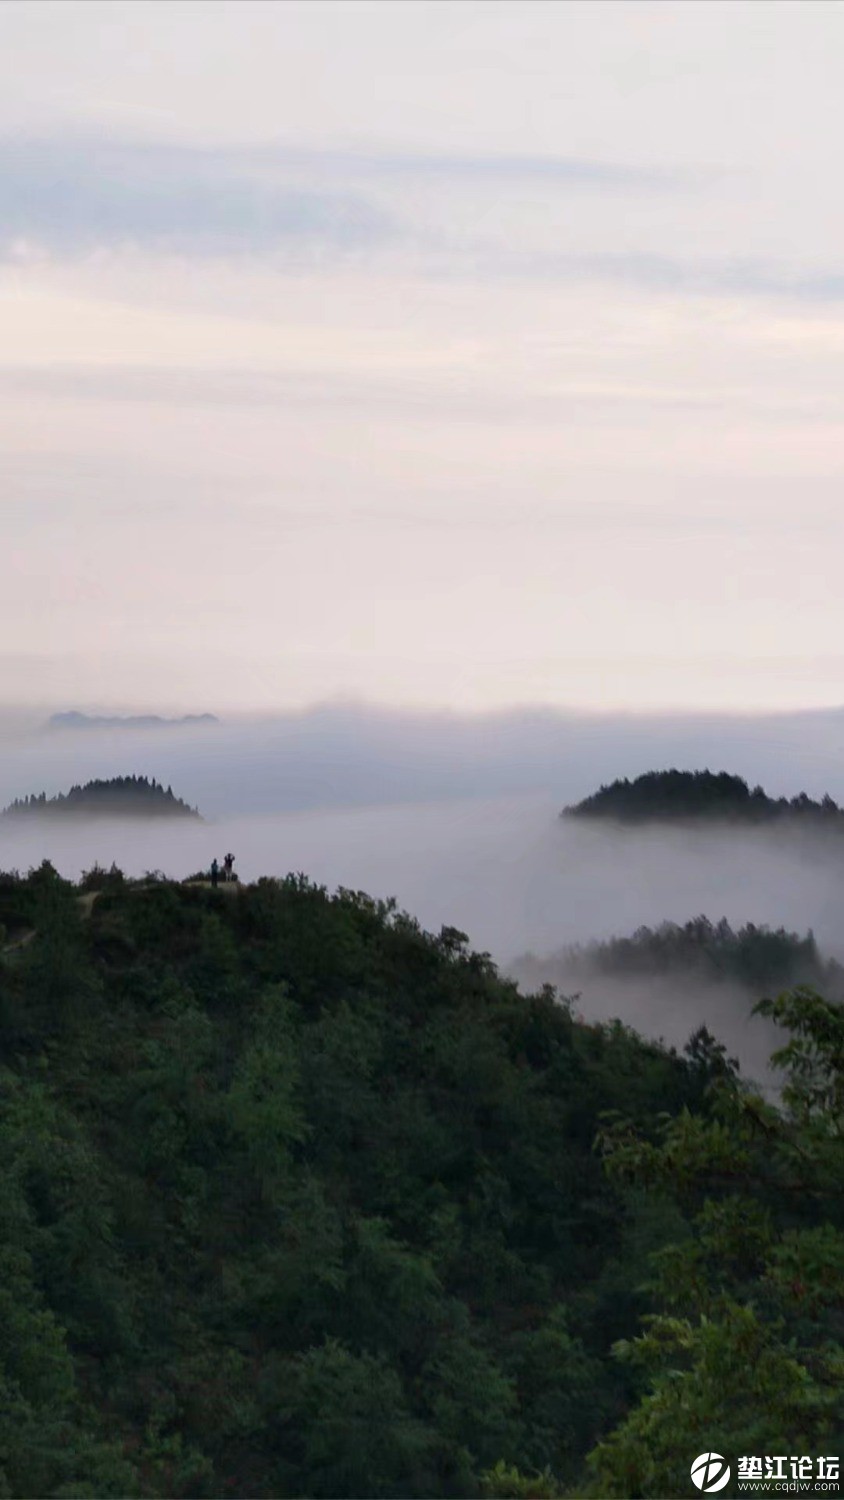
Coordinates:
[458,818]
[461,354]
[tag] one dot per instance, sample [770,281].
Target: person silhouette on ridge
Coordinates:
[228,861]
[215,872]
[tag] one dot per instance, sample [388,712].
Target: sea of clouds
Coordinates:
[458,818]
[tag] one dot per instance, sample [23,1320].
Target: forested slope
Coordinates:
[299,1200]
[296,1199]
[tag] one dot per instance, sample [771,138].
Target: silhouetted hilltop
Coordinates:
[121,796]
[666,796]
[74,720]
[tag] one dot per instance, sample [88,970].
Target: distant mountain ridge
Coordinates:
[677,796]
[76,720]
[121,796]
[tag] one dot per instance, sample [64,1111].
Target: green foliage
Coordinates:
[813,1060]
[52,1217]
[100,879]
[746,1354]
[296,1198]
[264,1108]
[506,1482]
[344,1421]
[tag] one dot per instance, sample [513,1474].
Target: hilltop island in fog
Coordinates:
[75,720]
[676,796]
[121,796]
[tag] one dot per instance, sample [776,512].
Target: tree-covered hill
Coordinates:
[760,958]
[663,796]
[296,1199]
[299,1200]
[120,796]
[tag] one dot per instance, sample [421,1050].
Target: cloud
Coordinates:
[686,276]
[77,195]
[436,398]
[457,818]
[554,171]
[80,196]
[345,754]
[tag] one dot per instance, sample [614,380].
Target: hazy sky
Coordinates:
[432,353]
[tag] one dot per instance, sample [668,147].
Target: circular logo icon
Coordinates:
[710,1472]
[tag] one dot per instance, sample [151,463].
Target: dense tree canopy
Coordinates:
[745,1353]
[299,1200]
[660,796]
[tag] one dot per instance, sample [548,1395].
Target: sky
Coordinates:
[460,355]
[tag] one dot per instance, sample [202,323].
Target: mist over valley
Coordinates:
[458,818]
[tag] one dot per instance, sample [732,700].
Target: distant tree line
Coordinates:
[124,796]
[758,957]
[660,796]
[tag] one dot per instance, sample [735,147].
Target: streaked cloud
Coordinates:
[79,195]
[692,276]
[83,195]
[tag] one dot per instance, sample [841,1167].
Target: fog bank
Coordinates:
[458,819]
[345,755]
[509,872]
